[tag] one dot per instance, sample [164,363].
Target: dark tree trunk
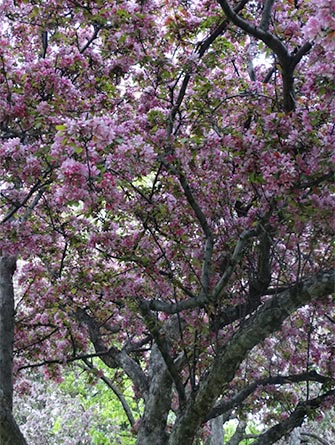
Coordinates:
[9,431]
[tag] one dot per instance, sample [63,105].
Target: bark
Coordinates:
[9,431]
[153,423]
[112,356]
[266,321]
[217,433]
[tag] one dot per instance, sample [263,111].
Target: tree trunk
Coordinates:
[216,431]
[9,431]
[152,429]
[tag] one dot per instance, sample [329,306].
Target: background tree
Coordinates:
[167,186]
[77,410]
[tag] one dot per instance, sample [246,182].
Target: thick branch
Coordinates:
[239,433]
[260,281]
[206,267]
[287,61]
[258,285]
[226,406]
[153,422]
[268,38]
[293,421]
[266,321]
[7,268]
[203,46]
[113,357]
[162,341]
[9,431]
[266,15]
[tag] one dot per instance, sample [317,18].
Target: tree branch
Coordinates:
[112,356]
[162,339]
[262,276]
[158,403]
[266,15]
[91,39]
[36,187]
[295,419]
[266,321]
[116,391]
[204,45]
[315,436]
[9,431]
[239,434]
[287,61]
[268,38]
[201,300]
[201,49]
[226,406]
[236,257]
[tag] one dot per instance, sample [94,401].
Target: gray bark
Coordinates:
[217,433]
[9,431]
[153,423]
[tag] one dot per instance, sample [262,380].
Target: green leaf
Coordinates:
[60,127]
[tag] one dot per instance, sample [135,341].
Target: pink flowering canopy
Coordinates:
[166,185]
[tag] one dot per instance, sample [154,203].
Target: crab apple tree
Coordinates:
[167,194]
